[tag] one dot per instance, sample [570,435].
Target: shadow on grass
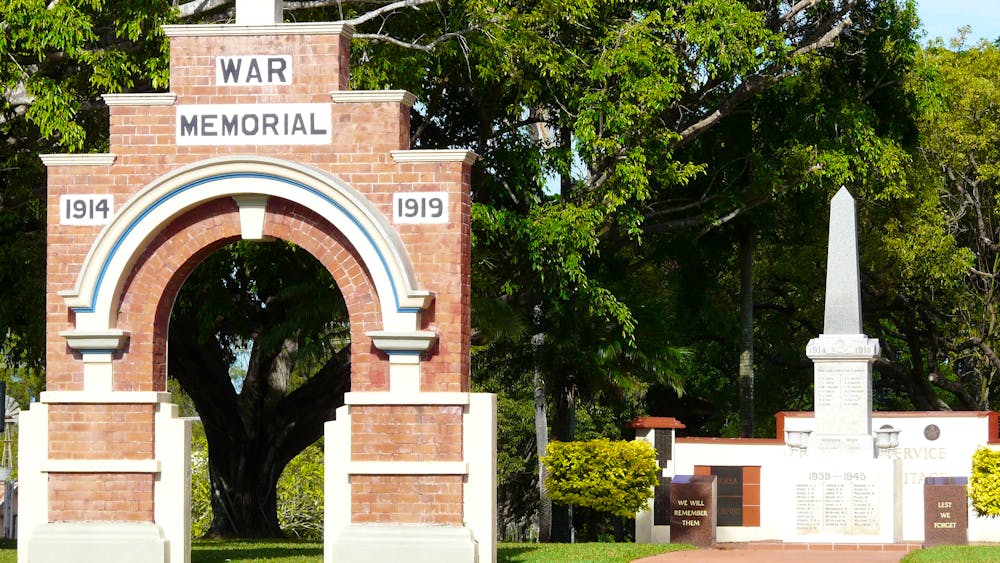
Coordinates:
[204,551]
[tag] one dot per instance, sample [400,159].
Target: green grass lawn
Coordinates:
[582,552]
[953,553]
[309,552]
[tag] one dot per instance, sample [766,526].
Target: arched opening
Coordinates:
[259,343]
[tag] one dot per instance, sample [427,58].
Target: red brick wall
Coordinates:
[101,432]
[406,499]
[104,497]
[406,433]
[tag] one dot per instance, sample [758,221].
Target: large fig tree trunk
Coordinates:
[253,434]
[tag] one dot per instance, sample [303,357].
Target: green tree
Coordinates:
[279,303]
[937,280]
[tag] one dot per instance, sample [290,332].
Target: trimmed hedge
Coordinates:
[984,486]
[616,477]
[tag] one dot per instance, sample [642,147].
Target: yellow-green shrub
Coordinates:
[616,477]
[984,486]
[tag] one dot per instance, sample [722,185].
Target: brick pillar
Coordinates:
[653,525]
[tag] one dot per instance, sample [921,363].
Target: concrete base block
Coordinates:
[413,544]
[97,542]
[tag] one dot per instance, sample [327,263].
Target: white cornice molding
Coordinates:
[89,159]
[223,30]
[400,341]
[101,466]
[84,340]
[434,155]
[373,96]
[104,397]
[431,398]
[159,99]
[408,468]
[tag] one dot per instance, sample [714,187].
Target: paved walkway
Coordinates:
[776,552]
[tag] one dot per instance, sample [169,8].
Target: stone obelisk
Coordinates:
[843,355]
[840,491]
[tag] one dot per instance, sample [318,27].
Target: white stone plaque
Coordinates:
[845,500]
[254,124]
[86,209]
[253,70]
[420,207]
[843,397]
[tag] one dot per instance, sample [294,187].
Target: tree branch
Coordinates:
[189,9]
[368,16]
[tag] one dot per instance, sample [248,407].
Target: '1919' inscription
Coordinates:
[420,207]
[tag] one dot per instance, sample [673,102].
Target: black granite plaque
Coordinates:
[663,444]
[730,493]
[661,502]
[730,511]
[693,510]
[946,512]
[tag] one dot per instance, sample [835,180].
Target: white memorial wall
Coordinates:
[930,444]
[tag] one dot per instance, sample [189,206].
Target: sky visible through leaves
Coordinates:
[942,18]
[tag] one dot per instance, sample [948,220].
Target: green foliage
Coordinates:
[300,495]
[201,489]
[58,58]
[984,485]
[616,477]
[300,491]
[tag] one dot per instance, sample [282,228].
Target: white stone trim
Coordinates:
[404,372]
[411,543]
[373,96]
[97,542]
[110,397]
[161,99]
[82,340]
[408,468]
[397,341]
[391,398]
[848,347]
[226,30]
[253,211]
[336,481]
[101,466]
[256,12]
[113,254]
[433,155]
[479,493]
[98,372]
[88,159]
[33,484]
[172,487]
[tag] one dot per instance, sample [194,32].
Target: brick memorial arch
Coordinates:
[258,139]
